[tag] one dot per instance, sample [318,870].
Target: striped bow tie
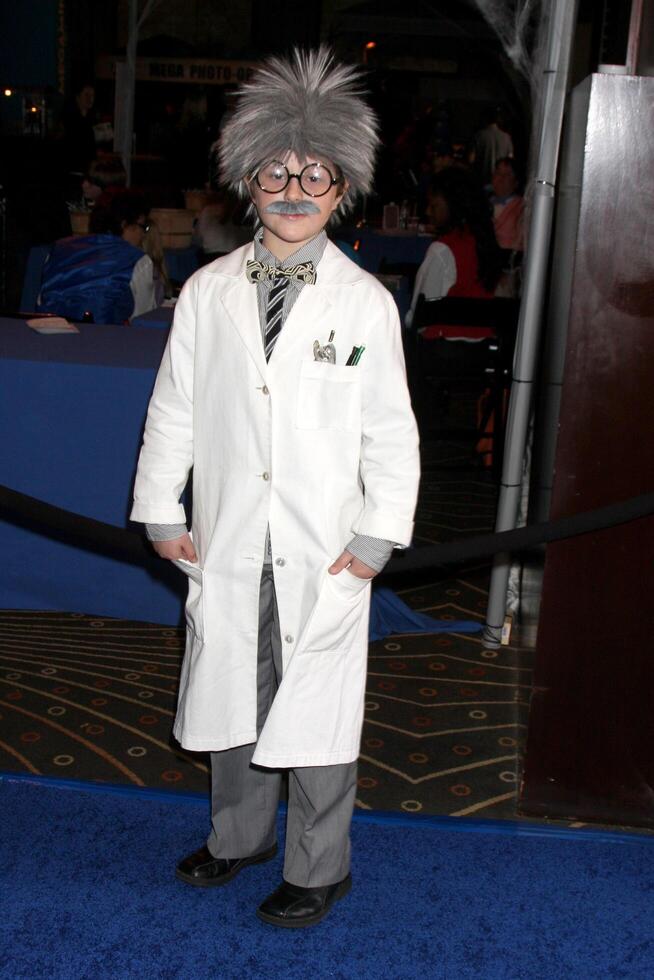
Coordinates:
[260,271]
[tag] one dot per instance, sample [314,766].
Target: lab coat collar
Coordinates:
[335,268]
[240,300]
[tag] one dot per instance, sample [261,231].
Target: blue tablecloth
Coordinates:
[182,262]
[161,318]
[377,246]
[72,409]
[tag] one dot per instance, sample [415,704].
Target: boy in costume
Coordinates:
[283,386]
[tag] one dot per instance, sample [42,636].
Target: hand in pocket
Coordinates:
[354,566]
[177,548]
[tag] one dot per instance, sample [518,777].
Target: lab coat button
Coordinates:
[280,561]
[264,390]
[265,476]
[288,638]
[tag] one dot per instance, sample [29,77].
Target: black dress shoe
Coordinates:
[204,870]
[293,907]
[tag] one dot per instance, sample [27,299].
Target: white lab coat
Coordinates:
[313,450]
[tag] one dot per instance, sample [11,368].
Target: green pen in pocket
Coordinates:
[354,357]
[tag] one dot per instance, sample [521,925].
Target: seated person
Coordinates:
[465,259]
[153,246]
[105,274]
[508,206]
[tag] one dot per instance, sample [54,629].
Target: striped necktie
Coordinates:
[274,312]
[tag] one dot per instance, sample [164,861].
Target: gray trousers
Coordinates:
[244,798]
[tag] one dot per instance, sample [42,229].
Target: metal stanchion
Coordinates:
[555,72]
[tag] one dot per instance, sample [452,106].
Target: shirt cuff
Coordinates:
[164,532]
[373,552]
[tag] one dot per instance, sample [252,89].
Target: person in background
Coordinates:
[491,143]
[215,231]
[508,206]
[153,246]
[105,274]
[79,137]
[105,176]
[465,259]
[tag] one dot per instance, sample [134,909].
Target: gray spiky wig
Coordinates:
[306,105]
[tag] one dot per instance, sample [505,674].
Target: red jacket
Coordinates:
[462,244]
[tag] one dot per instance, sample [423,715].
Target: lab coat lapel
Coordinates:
[312,316]
[239,298]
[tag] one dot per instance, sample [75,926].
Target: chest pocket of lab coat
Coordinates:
[329,397]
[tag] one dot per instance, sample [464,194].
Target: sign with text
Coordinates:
[201,71]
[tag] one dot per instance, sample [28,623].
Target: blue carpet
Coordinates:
[89,893]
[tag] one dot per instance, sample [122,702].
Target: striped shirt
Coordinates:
[311,252]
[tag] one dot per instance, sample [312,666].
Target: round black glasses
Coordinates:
[315,179]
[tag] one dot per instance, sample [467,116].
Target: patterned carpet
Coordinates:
[93,698]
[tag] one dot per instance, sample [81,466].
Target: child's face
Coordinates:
[284,234]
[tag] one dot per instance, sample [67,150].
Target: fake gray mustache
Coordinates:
[292,207]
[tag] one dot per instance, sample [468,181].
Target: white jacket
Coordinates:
[316,452]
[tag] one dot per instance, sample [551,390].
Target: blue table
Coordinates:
[160,318]
[393,247]
[182,262]
[72,409]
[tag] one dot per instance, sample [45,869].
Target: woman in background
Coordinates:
[508,206]
[465,259]
[508,220]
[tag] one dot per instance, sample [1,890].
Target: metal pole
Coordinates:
[134,22]
[555,73]
[130,82]
[564,244]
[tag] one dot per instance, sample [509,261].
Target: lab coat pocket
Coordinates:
[195,602]
[335,619]
[328,397]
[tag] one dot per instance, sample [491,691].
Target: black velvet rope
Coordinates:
[523,538]
[95,535]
